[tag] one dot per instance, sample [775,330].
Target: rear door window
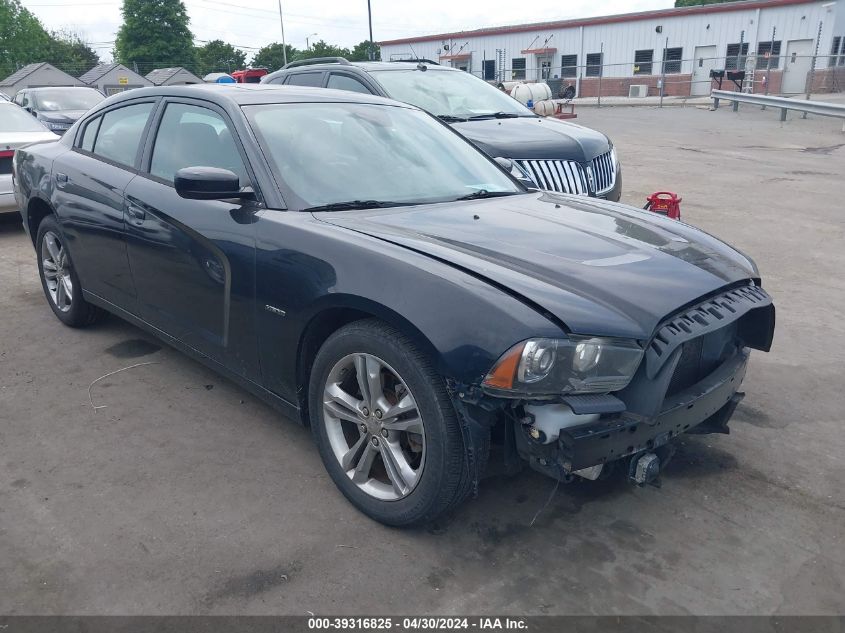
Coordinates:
[314,80]
[90,134]
[340,81]
[120,133]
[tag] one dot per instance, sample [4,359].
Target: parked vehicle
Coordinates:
[17,129]
[355,262]
[58,108]
[249,75]
[556,155]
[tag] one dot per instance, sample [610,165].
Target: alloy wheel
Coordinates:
[56,268]
[374,426]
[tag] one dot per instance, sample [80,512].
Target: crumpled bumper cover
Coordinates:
[704,408]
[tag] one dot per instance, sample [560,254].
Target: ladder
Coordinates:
[750,67]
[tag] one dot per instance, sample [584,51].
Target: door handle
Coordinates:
[135,212]
[61,179]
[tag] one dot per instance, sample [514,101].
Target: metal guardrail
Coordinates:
[782,103]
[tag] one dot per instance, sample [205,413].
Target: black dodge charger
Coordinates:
[360,265]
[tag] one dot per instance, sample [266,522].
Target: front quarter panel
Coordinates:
[305,266]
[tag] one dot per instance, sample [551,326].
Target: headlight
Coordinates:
[545,367]
[614,157]
[57,126]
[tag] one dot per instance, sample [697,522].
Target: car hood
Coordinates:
[601,268]
[60,116]
[534,138]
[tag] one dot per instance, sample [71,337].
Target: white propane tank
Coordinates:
[531,92]
[546,107]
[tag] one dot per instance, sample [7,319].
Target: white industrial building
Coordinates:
[785,46]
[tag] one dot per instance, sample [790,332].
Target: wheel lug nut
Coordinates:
[375,441]
[365,411]
[378,413]
[363,428]
[384,433]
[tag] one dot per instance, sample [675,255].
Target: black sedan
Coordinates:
[364,268]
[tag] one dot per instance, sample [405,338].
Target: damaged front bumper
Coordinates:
[688,382]
[704,408]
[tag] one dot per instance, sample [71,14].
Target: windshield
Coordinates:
[330,153]
[15,119]
[448,93]
[67,99]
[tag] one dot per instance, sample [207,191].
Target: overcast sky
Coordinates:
[250,24]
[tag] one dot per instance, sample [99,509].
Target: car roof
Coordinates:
[364,66]
[254,94]
[43,88]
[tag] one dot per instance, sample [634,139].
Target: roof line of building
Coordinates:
[607,19]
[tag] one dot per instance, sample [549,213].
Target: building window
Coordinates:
[837,52]
[672,60]
[594,64]
[768,48]
[734,60]
[518,68]
[569,66]
[489,69]
[642,62]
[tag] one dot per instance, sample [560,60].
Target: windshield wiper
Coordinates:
[483,193]
[448,118]
[494,115]
[354,204]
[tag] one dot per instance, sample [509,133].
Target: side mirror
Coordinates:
[207,183]
[516,171]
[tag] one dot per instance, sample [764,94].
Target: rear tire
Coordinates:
[59,279]
[392,442]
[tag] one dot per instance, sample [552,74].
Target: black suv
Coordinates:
[556,155]
[58,108]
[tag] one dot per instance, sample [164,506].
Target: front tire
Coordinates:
[385,426]
[59,279]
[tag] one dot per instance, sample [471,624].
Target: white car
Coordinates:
[17,129]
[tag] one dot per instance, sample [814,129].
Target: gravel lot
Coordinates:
[186,495]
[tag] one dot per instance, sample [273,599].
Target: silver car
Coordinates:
[17,129]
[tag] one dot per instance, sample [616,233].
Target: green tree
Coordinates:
[361,52]
[69,52]
[155,34]
[219,57]
[22,38]
[692,3]
[322,49]
[271,56]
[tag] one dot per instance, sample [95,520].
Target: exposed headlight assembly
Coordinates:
[544,367]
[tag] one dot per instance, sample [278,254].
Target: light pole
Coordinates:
[284,47]
[370,17]
[307,43]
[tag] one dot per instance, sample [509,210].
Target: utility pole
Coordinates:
[284,46]
[370,16]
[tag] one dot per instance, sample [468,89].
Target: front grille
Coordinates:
[565,176]
[701,356]
[604,173]
[687,372]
